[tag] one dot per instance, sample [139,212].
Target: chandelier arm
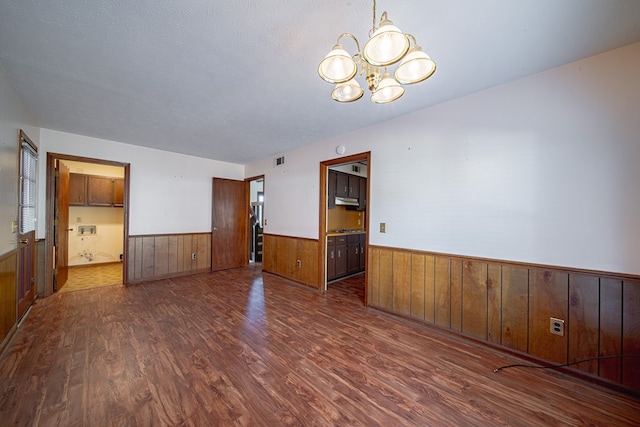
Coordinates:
[410,37]
[352,37]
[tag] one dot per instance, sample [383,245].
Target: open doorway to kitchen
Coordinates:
[344,219]
[87,223]
[256,223]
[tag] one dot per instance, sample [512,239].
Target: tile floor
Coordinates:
[94,276]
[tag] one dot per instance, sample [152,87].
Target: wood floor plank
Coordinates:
[240,348]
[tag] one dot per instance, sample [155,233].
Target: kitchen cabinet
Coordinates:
[100,191]
[331,189]
[354,186]
[92,190]
[77,189]
[336,257]
[118,192]
[353,253]
[342,184]
[363,251]
[362,194]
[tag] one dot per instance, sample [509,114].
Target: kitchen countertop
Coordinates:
[343,232]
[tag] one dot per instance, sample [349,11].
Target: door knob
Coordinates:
[25,241]
[215,228]
[69,229]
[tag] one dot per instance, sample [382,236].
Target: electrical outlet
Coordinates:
[556,326]
[298,263]
[194,256]
[383,227]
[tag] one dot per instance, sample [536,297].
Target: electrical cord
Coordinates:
[524,365]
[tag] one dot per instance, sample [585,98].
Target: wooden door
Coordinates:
[26,225]
[230,224]
[61,227]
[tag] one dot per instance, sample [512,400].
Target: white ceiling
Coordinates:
[236,80]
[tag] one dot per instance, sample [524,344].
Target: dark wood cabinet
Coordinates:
[93,190]
[100,191]
[342,184]
[331,258]
[363,251]
[345,255]
[362,194]
[353,253]
[331,189]
[118,192]
[77,189]
[354,186]
[341,256]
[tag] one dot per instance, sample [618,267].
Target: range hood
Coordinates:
[347,201]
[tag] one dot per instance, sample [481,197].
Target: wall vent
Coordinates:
[278,161]
[355,168]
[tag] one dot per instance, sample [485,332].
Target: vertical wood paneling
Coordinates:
[167,255]
[456,294]
[161,255]
[8,297]
[179,253]
[269,252]
[189,264]
[172,254]
[515,307]
[430,288]
[402,282]
[374,276]
[548,292]
[203,249]
[494,303]
[418,286]
[282,254]
[582,328]
[386,279]
[148,256]
[631,334]
[443,291]
[474,300]
[511,305]
[610,329]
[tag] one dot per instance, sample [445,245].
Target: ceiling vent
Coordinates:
[278,161]
[355,168]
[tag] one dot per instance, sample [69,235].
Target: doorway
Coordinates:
[85,197]
[256,212]
[354,234]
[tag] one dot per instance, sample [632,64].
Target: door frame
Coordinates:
[322,226]
[50,201]
[248,181]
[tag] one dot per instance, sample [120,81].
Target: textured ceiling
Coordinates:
[237,80]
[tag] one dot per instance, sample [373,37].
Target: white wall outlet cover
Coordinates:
[340,149]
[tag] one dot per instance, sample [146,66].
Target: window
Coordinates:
[28,169]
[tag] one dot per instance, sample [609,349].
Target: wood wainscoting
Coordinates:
[510,305]
[281,256]
[8,301]
[160,256]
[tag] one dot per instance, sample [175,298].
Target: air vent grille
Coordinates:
[278,161]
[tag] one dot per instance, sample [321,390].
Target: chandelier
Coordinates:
[387,46]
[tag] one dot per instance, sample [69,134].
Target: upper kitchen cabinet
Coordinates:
[92,190]
[362,194]
[118,192]
[342,184]
[331,188]
[77,189]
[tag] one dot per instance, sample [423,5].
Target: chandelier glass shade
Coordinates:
[386,47]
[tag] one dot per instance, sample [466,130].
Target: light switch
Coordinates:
[383,227]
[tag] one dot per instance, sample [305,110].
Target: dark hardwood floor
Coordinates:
[236,348]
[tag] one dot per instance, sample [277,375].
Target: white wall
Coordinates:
[13,117]
[169,192]
[544,169]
